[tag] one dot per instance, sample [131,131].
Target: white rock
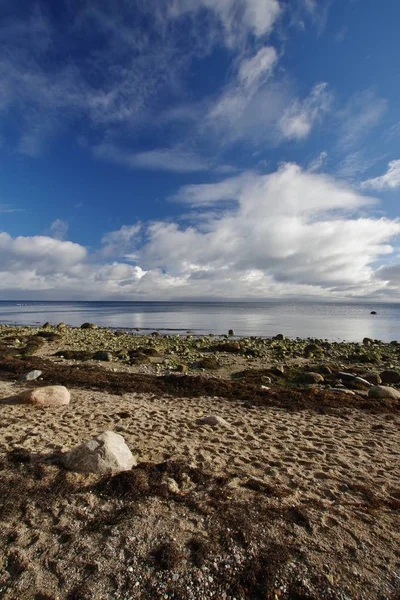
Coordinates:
[383,391]
[212,420]
[31,376]
[50,395]
[105,454]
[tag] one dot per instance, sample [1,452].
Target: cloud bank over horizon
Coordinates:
[285,234]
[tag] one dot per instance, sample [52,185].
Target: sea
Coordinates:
[334,322]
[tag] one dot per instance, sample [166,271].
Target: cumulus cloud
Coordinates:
[284,234]
[43,254]
[299,118]
[389,181]
[118,243]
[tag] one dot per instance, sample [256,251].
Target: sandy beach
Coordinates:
[296,496]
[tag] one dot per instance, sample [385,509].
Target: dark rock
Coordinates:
[88,326]
[311,350]
[345,376]
[103,355]
[368,341]
[373,378]
[373,312]
[279,336]
[231,332]
[311,377]
[325,370]
[209,362]
[390,376]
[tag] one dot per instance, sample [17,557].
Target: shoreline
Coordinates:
[296,495]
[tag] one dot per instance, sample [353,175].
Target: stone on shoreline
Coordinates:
[31,376]
[382,391]
[310,377]
[105,454]
[50,395]
[89,326]
[373,378]
[390,376]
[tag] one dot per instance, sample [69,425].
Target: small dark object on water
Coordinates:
[373,312]
[231,332]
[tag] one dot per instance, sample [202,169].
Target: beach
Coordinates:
[291,492]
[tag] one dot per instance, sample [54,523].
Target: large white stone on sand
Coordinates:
[105,454]
[50,395]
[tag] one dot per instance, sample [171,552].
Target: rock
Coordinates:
[212,420]
[62,326]
[311,349]
[172,486]
[279,336]
[88,326]
[50,395]
[373,378]
[46,325]
[362,381]
[277,370]
[342,390]
[368,341]
[382,391]
[373,312]
[105,454]
[390,376]
[231,332]
[31,376]
[325,370]
[102,355]
[182,368]
[345,376]
[310,377]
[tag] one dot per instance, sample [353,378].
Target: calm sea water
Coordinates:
[350,322]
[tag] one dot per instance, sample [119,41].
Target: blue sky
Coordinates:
[205,149]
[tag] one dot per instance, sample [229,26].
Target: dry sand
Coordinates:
[324,487]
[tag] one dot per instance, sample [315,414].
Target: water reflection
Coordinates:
[331,321]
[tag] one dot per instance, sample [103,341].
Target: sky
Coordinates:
[199,150]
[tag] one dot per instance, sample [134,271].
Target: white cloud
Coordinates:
[298,120]
[238,95]
[318,162]
[238,18]
[253,71]
[118,243]
[8,208]
[356,163]
[163,159]
[288,233]
[59,229]
[361,114]
[43,254]
[389,181]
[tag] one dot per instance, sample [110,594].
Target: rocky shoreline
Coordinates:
[262,468]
